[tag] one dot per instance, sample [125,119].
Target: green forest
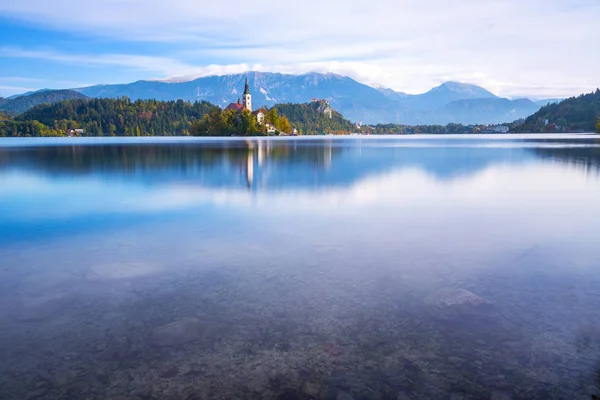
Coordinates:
[108,117]
[395,129]
[309,119]
[577,114]
[123,117]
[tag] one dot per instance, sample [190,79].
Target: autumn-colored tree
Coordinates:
[272,117]
[284,125]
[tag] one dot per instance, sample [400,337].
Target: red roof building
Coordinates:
[235,106]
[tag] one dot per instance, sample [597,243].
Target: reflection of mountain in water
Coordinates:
[585,158]
[262,164]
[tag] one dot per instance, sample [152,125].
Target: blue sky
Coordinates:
[535,48]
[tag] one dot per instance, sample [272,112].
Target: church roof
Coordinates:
[235,106]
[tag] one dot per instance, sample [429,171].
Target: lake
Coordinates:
[433,267]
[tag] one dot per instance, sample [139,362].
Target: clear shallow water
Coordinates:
[365,268]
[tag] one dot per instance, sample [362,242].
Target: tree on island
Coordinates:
[280,122]
[231,122]
[226,123]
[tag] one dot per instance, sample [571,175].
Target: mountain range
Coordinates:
[451,102]
[22,103]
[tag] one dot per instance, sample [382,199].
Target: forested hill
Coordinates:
[21,104]
[310,118]
[121,117]
[571,115]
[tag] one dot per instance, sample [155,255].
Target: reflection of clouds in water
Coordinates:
[33,197]
[489,205]
[19,183]
[521,185]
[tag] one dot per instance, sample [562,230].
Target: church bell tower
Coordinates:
[247,97]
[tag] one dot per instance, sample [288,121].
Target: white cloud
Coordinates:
[157,64]
[15,89]
[513,47]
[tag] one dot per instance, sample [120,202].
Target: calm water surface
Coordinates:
[387,268]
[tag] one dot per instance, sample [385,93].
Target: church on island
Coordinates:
[246,104]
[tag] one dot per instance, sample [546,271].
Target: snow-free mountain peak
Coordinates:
[446,93]
[391,93]
[465,90]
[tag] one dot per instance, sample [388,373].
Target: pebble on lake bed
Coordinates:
[177,333]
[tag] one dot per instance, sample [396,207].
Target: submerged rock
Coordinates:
[450,302]
[451,297]
[402,396]
[40,308]
[500,396]
[177,333]
[170,373]
[344,396]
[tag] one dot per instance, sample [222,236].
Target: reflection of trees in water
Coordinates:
[189,159]
[274,163]
[585,158]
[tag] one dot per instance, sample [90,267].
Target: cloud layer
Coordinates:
[512,47]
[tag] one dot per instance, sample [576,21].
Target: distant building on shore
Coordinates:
[500,129]
[75,132]
[496,129]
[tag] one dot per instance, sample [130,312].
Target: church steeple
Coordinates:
[247,97]
[246,88]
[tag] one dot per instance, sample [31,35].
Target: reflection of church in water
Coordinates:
[260,151]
